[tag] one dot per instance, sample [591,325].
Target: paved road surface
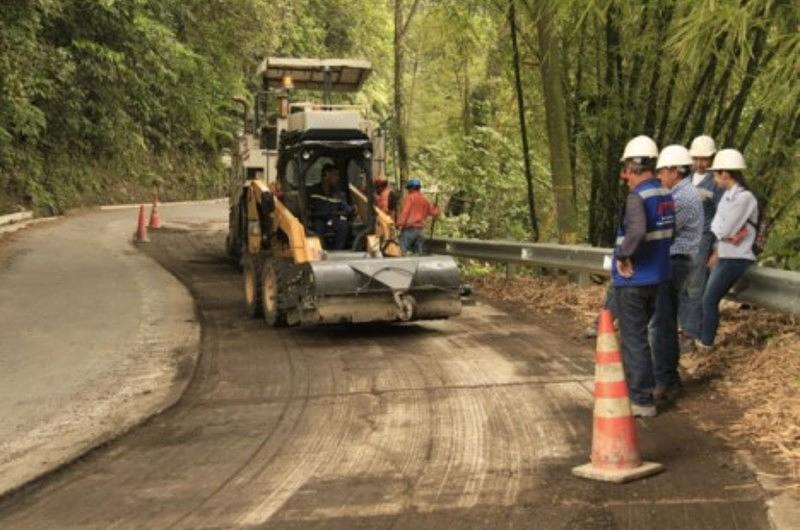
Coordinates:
[473,422]
[94,336]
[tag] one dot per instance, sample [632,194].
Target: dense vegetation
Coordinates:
[100,99]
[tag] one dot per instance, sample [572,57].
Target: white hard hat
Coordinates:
[640,147]
[673,156]
[703,147]
[728,160]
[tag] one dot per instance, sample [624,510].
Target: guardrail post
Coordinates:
[511,270]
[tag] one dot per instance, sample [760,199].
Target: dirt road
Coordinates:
[473,422]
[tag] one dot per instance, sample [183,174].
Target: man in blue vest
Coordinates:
[641,271]
[690,313]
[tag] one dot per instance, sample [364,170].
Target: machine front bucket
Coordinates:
[355,288]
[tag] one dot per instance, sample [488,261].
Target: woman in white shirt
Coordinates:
[735,227]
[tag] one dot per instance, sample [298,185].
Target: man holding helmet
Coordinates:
[641,271]
[673,167]
[690,314]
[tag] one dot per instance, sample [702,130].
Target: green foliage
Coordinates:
[671,69]
[99,99]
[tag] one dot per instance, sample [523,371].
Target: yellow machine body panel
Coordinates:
[301,248]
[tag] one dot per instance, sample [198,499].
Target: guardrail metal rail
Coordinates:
[774,289]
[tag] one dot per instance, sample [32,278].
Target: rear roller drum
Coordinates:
[252,286]
[270,294]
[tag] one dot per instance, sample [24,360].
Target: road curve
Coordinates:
[94,337]
[473,422]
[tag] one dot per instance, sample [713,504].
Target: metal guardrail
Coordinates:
[774,289]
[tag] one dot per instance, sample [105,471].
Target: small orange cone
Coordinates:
[615,452]
[141,228]
[155,222]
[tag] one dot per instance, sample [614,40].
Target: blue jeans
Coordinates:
[412,239]
[635,307]
[690,305]
[664,325]
[724,274]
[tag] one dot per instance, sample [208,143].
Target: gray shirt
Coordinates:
[688,219]
[737,207]
[635,223]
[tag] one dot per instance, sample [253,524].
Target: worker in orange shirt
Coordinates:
[385,196]
[416,210]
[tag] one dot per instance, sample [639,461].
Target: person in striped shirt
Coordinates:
[673,167]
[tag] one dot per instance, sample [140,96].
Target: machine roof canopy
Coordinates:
[346,75]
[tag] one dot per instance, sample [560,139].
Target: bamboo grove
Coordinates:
[515,110]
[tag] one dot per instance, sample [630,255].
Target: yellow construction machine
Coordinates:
[296,272]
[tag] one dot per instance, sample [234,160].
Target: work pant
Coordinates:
[664,325]
[412,240]
[635,307]
[690,305]
[724,274]
[337,226]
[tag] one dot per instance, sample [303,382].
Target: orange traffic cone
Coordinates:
[615,452]
[155,222]
[141,228]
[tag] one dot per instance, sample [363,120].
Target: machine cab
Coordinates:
[315,137]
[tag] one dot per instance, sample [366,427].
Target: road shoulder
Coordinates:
[122,377]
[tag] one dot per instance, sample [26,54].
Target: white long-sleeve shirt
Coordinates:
[736,207]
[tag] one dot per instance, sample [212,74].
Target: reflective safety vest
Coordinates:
[651,261]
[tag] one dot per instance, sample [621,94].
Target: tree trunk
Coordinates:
[400,121]
[606,187]
[512,21]
[556,118]
[399,95]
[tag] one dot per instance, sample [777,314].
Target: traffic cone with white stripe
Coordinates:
[615,452]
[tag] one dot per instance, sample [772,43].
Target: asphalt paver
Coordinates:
[472,422]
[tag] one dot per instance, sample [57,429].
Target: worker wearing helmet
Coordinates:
[735,228]
[416,210]
[673,168]
[690,314]
[641,270]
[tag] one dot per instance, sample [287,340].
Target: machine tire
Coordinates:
[270,296]
[251,275]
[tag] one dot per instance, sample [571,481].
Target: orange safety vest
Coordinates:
[382,199]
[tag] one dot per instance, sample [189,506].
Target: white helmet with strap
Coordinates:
[674,156]
[640,147]
[728,160]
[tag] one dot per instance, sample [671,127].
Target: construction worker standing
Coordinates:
[673,167]
[416,210]
[385,196]
[641,270]
[690,313]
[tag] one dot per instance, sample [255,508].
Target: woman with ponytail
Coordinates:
[735,227]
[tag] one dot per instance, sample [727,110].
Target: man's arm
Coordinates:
[635,223]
